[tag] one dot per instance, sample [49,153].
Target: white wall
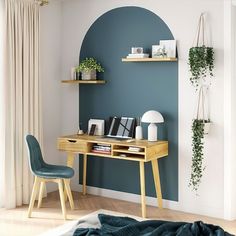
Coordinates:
[50,77]
[181,16]
[60,102]
[229,110]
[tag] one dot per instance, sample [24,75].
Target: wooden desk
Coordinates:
[150,151]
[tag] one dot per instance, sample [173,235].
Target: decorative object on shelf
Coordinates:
[158,51]
[201,56]
[200,126]
[137,52]
[152,117]
[80,131]
[169,47]
[100,124]
[73,73]
[139,55]
[138,130]
[88,68]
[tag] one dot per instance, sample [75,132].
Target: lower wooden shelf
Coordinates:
[84,81]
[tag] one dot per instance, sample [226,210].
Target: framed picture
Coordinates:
[96,127]
[169,47]
[158,51]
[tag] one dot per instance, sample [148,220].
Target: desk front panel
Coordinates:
[72,145]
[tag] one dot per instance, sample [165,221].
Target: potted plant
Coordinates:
[197,154]
[201,62]
[201,57]
[88,68]
[200,127]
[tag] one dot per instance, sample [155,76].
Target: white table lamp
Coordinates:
[152,117]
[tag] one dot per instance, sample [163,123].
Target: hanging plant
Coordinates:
[201,57]
[197,153]
[200,126]
[201,62]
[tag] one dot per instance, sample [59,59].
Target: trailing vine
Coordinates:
[197,150]
[201,62]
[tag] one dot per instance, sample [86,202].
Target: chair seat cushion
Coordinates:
[55,171]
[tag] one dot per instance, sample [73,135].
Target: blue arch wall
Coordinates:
[131,89]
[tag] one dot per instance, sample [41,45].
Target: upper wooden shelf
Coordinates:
[84,81]
[149,59]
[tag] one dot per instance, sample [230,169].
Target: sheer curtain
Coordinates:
[2,108]
[22,97]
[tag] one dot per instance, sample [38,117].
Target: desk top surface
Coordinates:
[100,139]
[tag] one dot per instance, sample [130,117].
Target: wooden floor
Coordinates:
[14,222]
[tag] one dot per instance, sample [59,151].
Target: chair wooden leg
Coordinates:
[42,186]
[33,195]
[69,194]
[70,163]
[63,206]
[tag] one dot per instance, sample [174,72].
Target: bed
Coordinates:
[103,223]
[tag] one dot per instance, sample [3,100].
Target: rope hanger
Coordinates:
[201,37]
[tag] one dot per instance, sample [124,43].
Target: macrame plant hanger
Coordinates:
[202,112]
[200,38]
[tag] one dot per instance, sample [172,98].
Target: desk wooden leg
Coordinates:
[84,173]
[156,176]
[142,185]
[70,163]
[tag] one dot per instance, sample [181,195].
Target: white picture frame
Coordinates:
[169,47]
[157,51]
[99,130]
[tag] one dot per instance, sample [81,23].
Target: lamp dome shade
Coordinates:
[152,117]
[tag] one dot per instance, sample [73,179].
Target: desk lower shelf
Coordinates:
[118,149]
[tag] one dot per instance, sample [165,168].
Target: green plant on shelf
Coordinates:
[89,64]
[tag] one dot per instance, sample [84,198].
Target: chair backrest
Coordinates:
[34,153]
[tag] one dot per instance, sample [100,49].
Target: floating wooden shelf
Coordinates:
[149,59]
[84,81]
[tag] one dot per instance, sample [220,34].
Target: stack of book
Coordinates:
[135,149]
[101,148]
[138,55]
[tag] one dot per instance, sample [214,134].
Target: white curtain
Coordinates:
[2,108]
[22,97]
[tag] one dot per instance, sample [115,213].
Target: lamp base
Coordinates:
[152,132]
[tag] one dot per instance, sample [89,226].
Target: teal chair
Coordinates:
[44,172]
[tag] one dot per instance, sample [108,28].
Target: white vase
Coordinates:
[138,132]
[207,126]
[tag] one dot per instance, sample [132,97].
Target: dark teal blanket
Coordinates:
[124,226]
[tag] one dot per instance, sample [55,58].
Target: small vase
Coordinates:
[89,75]
[77,75]
[138,132]
[73,73]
